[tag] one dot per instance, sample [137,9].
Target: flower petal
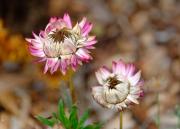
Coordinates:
[99,77]
[53,19]
[67,19]
[97,93]
[63,66]
[102,74]
[89,43]
[83,22]
[119,68]
[132,99]
[105,72]
[74,62]
[36,52]
[130,68]
[83,54]
[46,68]
[54,65]
[135,79]
[87,28]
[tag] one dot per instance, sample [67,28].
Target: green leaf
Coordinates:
[45,121]
[73,118]
[55,118]
[93,126]
[70,122]
[54,115]
[68,100]
[61,115]
[98,125]
[177,111]
[61,112]
[83,118]
[89,127]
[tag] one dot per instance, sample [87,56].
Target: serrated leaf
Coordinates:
[73,118]
[46,121]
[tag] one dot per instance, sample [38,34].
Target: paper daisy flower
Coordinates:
[62,45]
[119,87]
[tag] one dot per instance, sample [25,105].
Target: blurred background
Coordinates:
[146,32]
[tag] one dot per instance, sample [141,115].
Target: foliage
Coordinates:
[177,113]
[70,121]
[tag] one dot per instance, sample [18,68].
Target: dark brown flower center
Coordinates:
[59,35]
[113,82]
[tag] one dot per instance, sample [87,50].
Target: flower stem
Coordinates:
[158,111]
[178,123]
[71,88]
[120,120]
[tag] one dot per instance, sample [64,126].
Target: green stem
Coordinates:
[158,111]
[120,120]
[71,88]
[178,125]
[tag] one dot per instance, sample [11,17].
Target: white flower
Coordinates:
[119,87]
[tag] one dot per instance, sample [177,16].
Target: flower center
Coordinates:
[60,44]
[59,35]
[117,94]
[113,81]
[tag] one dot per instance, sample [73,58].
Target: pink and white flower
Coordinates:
[62,45]
[119,87]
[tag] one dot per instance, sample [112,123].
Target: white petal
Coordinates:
[119,68]
[130,70]
[123,88]
[123,104]
[135,90]
[102,74]
[120,106]
[121,78]
[97,94]
[105,72]
[135,79]
[112,96]
[97,90]
[76,29]
[99,78]
[131,98]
